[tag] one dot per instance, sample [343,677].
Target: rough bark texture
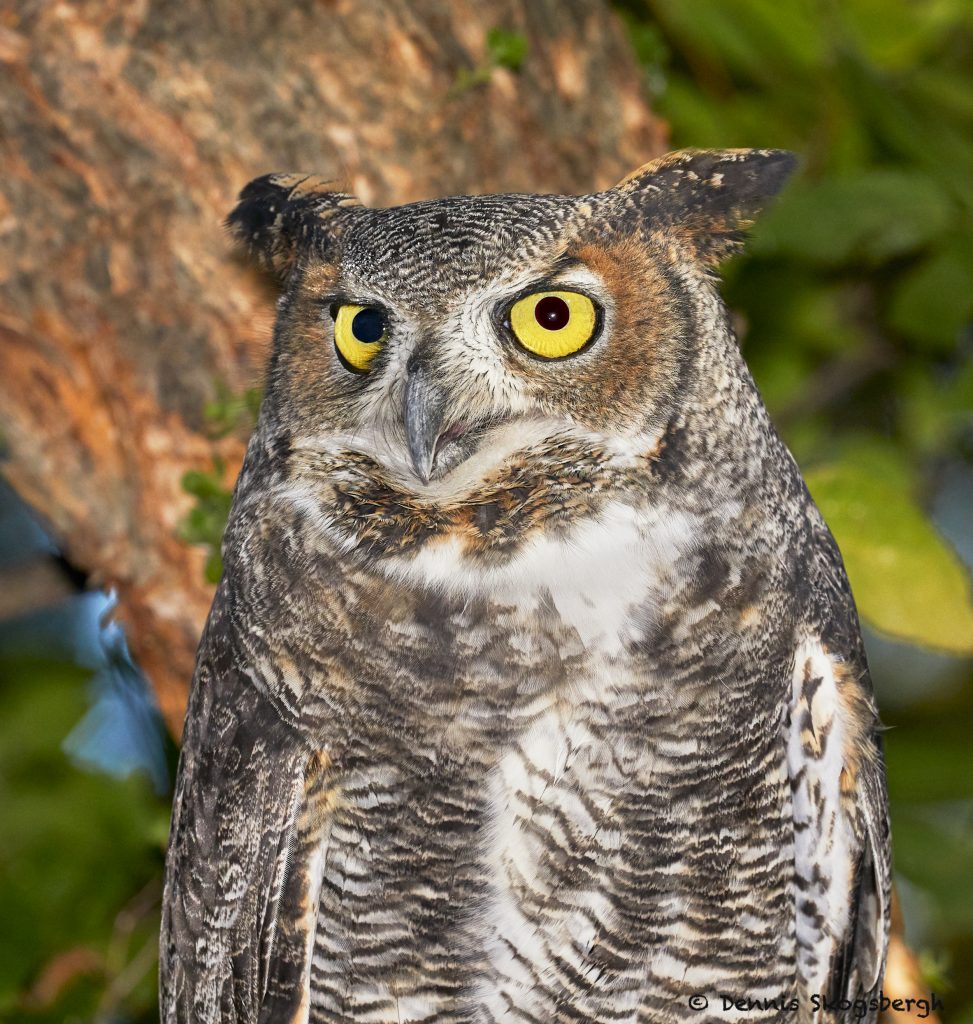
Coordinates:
[127,128]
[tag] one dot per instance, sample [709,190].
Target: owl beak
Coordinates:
[425,405]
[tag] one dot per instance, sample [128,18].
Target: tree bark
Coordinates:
[127,127]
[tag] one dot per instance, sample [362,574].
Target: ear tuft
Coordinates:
[713,195]
[280,216]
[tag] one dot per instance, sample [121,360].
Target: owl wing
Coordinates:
[238,908]
[842,855]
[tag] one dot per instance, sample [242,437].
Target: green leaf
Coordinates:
[907,581]
[646,41]
[895,34]
[868,217]
[695,121]
[936,409]
[915,134]
[75,846]
[934,849]
[948,90]
[788,310]
[761,40]
[781,376]
[930,760]
[205,522]
[934,301]
[214,566]
[507,49]
[229,411]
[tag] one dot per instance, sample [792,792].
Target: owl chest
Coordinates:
[440,885]
[554,844]
[526,809]
[569,868]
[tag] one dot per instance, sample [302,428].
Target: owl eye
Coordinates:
[359,333]
[553,325]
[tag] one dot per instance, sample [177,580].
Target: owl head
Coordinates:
[445,351]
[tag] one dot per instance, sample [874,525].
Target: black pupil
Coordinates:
[552,313]
[368,326]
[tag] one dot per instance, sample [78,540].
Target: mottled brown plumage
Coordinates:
[533,689]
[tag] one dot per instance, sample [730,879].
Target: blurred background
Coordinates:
[854,306]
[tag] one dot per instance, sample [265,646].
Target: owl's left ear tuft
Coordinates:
[712,196]
[279,217]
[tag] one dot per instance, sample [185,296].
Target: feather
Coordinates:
[238,833]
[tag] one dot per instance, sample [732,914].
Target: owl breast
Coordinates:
[528,801]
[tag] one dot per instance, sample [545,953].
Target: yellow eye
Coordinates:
[359,333]
[553,325]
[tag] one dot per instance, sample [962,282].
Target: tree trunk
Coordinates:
[127,128]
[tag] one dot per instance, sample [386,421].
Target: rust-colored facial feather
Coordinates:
[623,383]
[629,375]
[314,396]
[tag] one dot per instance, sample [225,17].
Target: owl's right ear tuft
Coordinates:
[280,217]
[709,196]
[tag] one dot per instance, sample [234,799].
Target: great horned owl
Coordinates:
[533,689]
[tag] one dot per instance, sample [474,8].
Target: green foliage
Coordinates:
[505,49]
[857,220]
[206,520]
[930,774]
[80,861]
[917,310]
[908,583]
[229,411]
